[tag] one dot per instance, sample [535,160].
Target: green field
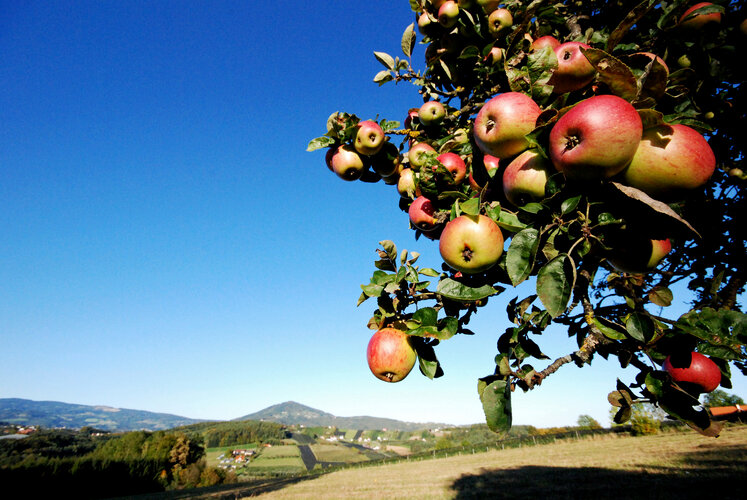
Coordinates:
[337,453]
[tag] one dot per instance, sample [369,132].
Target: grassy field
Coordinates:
[676,465]
[336,453]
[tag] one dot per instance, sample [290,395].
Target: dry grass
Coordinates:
[681,465]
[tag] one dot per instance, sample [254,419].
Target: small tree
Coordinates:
[587,422]
[721,398]
[610,240]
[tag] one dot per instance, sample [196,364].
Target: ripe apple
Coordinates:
[370,138]
[347,163]
[390,355]
[699,20]
[482,172]
[418,153]
[670,161]
[503,122]
[596,138]
[471,244]
[328,157]
[636,254]
[525,178]
[495,56]
[454,164]
[448,14]
[406,186]
[431,113]
[421,214]
[425,24]
[574,70]
[545,41]
[695,371]
[499,21]
[387,161]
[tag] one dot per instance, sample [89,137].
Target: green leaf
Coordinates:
[510,222]
[661,296]
[609,329]
[613,72]
[382,77]
[570,204]
[390,248]
[452,289]
[641,327]
[372,290]
[427,316]
[496,403]
[429,272]
[386,60]
[471,206]
[319,143]
[427,361]
[408,40]
[521,253]
[555,283]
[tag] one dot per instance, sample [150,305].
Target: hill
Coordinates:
[292,413]
[56,414]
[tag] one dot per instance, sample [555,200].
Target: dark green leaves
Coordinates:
[520,255]
[455,290]
[555,283]
[640,327]
[495,394]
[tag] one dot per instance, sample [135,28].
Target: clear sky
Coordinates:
[166,242]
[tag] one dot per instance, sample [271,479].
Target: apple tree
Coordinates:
[591,148]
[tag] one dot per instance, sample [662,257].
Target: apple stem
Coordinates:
[572,142]
[467,254]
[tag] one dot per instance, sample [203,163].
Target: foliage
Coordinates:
[588,422]
[722,398]
[564,242]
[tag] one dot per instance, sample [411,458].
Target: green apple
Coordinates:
[499,21]
[431,113]
[525,178]
[471,244]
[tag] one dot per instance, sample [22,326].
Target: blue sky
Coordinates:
[166,242]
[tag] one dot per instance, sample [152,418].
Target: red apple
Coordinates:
[431,113]
[370,138]
[695,370]
[421,214]
[503,122]
[328,157]
[448,14]
[387,161]
[390,355]
[347,163]
[525,177]
[545,41]
[596,138]
[670,161]
[499,21]
[636,254]
[574,70]
[699,20]
[471,244]
[481,173]
[418,154]
[495,56]
[454,164]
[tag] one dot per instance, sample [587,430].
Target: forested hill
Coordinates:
[292,413]
[56,414]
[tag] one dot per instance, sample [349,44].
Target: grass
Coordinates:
[336,453]
[676,465]
[280,451]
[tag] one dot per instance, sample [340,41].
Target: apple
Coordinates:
[406,186]
[574,70]
[387,161]
[328,157]
[454,164]
[370,138]
[503,122]
[596,138]
[489,5]
[481,173]
[390,355]
[431,113]
[421,214]
[347,163]
[418,154]
[495,56]
[525,178]
[425,24]
[695,370]
[670,161]
[699,20]
[499,21]
[448,14]
[637,254]
[461,136]
[471,244]
[545,41]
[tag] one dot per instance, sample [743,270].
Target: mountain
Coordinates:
[292,413]
[55,414]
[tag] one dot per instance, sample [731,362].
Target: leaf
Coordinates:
[382,77]
[319,143]
[390,248]
[569,205]
[521,253]
[613,72]
[510,222]
[496,403]
[427,316]
[658,206]
[650,118]
[471,206]
[386,60]
[452,289]
[609,329]
[555,282]
[408,40]
[427,361]
[661,296]
[628,22]
[429,272]
[640,327]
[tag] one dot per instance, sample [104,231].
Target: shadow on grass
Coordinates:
[224,491]
[720,472]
